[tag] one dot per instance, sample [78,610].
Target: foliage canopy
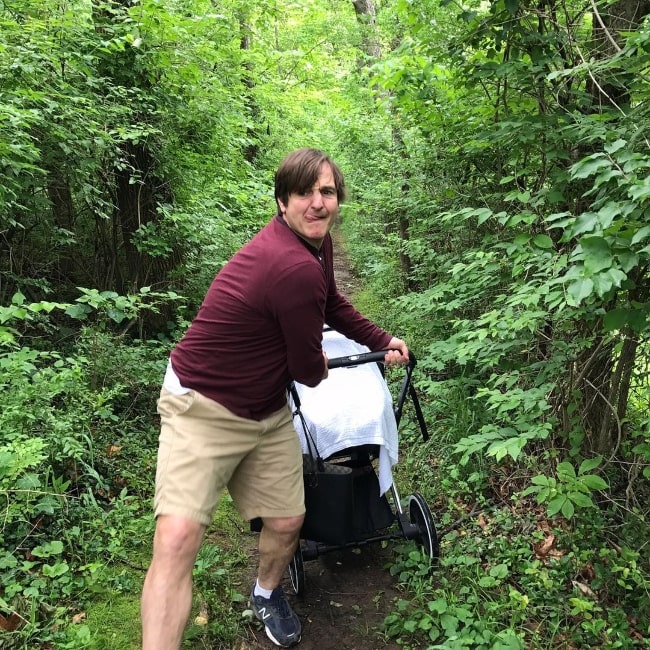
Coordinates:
[499,215]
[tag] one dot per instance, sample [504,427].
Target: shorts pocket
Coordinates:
[170,405]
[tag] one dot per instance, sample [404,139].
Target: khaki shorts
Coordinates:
[205,448]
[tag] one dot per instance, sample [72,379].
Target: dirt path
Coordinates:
[347,593]
[346,598]
[346,281]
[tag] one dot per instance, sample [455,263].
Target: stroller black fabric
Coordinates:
[342,503]
[329,501]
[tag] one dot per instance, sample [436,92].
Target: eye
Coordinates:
[305,193]
[328,191]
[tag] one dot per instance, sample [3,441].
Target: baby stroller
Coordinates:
[349,429]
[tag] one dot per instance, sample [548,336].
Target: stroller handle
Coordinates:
[406,389]
[365,357]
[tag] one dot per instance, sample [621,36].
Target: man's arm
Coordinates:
[298,300]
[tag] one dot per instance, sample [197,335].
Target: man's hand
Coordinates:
[326,372]
[398,353]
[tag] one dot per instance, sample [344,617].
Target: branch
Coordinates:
[610,38]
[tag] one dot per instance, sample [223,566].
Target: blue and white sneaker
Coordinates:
[280,621]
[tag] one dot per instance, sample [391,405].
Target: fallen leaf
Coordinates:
[77,618]
[545,546]
[113,450]
[583,588]
[9,623]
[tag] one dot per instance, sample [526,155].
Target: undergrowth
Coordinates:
[509,575]
[538,551]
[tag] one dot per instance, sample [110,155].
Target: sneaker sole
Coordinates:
[268,633]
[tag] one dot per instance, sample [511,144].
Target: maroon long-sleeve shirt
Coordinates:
[260,325]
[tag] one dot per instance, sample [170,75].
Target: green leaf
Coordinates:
[641,234]
[512,6]
[499,571]
[78,311]
[603,282]
[29,481]
[49,549]
[7,561]
[410,625]
[566,470]
[55,570]
[580,289]
[449,624]
[628,260]
[586,222]
[594,482]
[640,191]
[615,319]
[612,147]
[590,165]
[555,505]
[439,606]
[597,253]
[543,241]
[511,447]
[483,214]
[568,509]
[589,464]
[581,500]
[608,213]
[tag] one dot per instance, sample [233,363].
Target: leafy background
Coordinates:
[497,159]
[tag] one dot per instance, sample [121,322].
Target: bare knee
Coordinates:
[284,525]
[177,539]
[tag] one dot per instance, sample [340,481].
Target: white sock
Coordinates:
[260,591]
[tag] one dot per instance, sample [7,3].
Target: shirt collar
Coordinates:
[315,251]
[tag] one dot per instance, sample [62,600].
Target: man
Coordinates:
[225,421]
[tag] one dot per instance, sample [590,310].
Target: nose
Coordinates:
[317,198]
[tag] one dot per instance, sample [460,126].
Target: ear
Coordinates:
[282,207]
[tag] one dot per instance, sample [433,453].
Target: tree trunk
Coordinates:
[367,15]
[611,88]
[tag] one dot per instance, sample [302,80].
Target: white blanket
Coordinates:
[352,407]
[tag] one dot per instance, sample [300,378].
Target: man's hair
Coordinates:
[299,171]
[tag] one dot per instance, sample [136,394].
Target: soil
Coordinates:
[348,593]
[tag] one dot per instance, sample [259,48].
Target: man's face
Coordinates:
[311,214]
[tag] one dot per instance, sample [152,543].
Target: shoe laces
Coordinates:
[281,603]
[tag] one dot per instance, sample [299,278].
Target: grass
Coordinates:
[221,583]
[116,622]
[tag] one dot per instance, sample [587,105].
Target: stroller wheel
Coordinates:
[420,516]
[297,572]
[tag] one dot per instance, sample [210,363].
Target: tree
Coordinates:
[547,288]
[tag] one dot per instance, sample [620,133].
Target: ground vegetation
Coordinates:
[498,164]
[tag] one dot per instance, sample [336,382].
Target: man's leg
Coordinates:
[167,592]
[277,544]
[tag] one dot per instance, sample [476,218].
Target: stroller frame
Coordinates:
[415,522]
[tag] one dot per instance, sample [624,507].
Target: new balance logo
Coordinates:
[263,613]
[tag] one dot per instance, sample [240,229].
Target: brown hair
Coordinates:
[299,171]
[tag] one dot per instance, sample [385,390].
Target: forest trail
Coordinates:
[347,593]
